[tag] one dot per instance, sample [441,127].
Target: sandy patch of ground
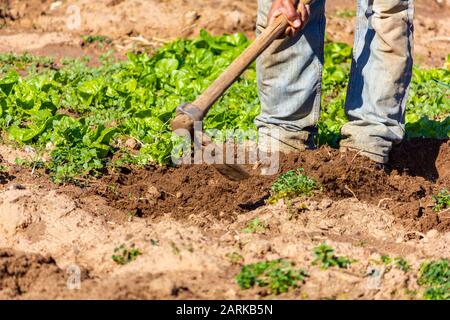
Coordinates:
[183,260]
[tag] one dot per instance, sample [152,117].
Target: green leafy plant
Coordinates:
[234,257]
[435,276]
[402,264]
[75,114]
[291,184]
[92,39]
[325,258]
[346,14]
[398,262]
[386,260]
[277,275]
[442,200]
[123,255]
[23,62]
[256,226]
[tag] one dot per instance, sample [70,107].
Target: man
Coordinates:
[290,71]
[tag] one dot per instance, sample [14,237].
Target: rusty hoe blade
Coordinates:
[233,172]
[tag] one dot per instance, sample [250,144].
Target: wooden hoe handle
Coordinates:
[277,28]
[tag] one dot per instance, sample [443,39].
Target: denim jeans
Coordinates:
[290,72]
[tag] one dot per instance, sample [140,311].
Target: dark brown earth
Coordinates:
[418,169]
[21,273]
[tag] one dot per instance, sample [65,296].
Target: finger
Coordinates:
[290,32]
[305,11]
[292,16]
[274,14]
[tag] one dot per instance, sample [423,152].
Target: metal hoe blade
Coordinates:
[233,172]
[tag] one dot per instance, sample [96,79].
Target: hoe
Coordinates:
[188,113]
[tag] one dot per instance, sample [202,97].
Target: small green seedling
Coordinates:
[346,14]
[435,275]
[113,188]
[292,184]
[131,215]
[277,275]
[175,250]
[398,262]
[123,255]
[442,200]
[93,39]
[256,226]
[386,260]
[325,258]
[234,257]
[411,293]
[402,264]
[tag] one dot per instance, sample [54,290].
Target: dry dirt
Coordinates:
[188,222]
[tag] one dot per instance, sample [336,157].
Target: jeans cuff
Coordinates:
[376,157]
[279,139]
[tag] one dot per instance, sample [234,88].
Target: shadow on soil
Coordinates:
[418,157]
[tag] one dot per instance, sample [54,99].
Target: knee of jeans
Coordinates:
[391,23]
[386,8]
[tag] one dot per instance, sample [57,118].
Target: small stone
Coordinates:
[227,238]
[258,247]
[399,240]
[179,195]
[17,186]
[325,203]
[323,225]
[29,149]
[233,19]
[14,14]
[231,294]
[375,256]
[432,234]
[312,205]
[190,17]
[153,192]
[55,5]
[50,146]
[132,144]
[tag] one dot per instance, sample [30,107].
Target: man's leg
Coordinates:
[380,77]
[289,81]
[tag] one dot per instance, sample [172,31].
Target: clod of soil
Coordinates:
[21,273]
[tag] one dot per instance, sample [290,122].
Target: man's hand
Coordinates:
[297,19]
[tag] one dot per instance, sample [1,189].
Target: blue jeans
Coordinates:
[290,72]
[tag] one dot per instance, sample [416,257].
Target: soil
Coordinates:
[21,273]
[404,186]
[57,241]
[188,221]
